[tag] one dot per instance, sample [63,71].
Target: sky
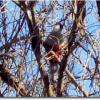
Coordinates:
[92,23]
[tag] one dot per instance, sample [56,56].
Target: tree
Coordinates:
[25,71]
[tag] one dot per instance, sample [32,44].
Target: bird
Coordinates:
[54,44]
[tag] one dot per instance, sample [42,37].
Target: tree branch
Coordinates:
[35,41]
[70,75]
[71,41]
[11,80]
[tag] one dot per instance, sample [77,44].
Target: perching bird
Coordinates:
[54,44]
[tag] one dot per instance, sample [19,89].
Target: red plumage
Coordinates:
[56,52]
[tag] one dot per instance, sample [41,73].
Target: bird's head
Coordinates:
[58,27]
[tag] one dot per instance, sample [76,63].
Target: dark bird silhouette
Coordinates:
[53,45]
